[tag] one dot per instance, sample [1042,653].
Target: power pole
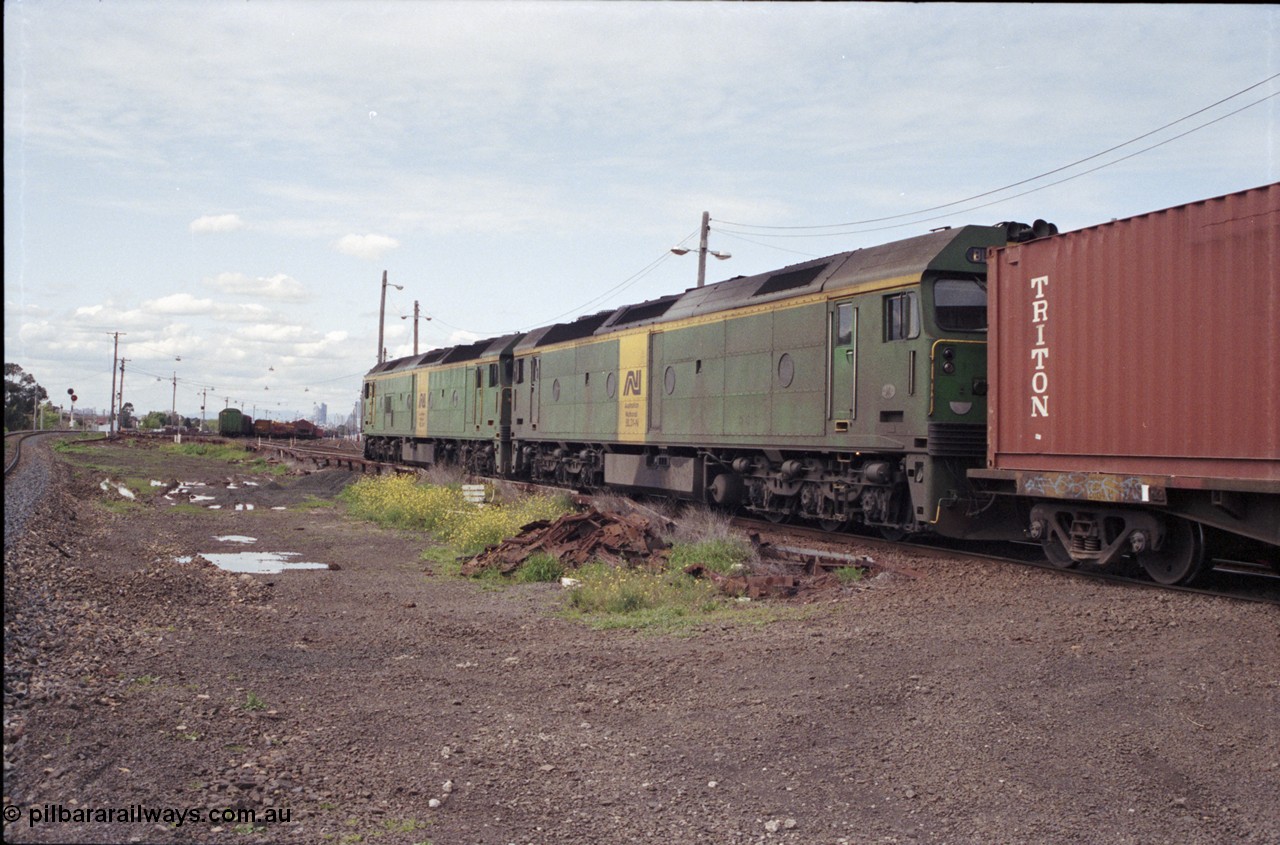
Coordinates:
[115,356]
[702,249]
[122,360]
[415,327]
[382,318]
[173,414]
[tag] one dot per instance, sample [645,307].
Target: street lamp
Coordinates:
[703,252]
[416,318]
[382,316]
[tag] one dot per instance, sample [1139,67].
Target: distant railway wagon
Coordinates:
[234,423]
[853,389]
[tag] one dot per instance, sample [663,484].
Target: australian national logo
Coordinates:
[631,387]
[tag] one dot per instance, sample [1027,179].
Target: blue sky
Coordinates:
[224,183]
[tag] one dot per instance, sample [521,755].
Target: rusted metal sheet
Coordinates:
[1145,348]
[577,539]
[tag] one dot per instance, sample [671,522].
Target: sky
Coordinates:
[224,184]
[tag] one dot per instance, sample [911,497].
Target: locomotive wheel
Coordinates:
[1181,558]
[831,525]
[777,517]
[892,533]
[1056,553]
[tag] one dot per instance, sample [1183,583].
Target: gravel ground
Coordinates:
[380,702]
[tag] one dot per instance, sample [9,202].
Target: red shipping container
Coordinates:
[1148,346]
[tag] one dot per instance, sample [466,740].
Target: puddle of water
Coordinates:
[257,563]
[236,538]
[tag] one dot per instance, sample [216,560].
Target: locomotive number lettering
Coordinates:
[1039,352]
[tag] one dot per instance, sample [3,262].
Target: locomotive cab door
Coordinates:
[842,400]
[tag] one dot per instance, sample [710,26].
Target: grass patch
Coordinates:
[401,502]
[721,554]
[540,568]
[849,574]
[253,702]
[226,452]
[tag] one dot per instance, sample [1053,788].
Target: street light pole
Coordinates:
[121,404]
[382,316]
[416,318]
[115,356]
[702,249]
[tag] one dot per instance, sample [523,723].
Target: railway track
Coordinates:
[1233,579]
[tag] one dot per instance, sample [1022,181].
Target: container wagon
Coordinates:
[1134,371]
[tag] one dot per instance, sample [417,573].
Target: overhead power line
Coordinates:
[1031,179]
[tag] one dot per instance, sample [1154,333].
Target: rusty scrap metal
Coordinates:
[575,540]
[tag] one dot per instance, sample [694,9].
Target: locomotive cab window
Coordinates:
[493,375]
[960,305]
[902,316]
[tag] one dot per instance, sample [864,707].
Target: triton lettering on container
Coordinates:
[1135,383]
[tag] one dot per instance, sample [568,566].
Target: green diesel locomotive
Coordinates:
[847,389]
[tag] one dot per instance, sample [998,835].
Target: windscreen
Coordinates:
[960,305]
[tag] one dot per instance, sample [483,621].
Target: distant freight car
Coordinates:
[233,423]
[1134,370]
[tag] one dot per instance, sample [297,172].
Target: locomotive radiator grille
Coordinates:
[957,440]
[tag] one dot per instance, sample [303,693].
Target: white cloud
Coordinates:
[216,223]
[280,286]
[365,246]
[179,303]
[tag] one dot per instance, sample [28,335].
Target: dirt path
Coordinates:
[378,702]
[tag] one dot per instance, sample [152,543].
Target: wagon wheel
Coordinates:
[1181,558]
[1056,553]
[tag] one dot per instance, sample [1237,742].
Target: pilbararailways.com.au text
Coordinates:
[139,813]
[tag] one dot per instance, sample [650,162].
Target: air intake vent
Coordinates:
[957,440]
[790,279]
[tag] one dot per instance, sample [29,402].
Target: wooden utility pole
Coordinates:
[115,357]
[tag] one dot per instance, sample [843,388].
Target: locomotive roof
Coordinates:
[485,348]
[908,258]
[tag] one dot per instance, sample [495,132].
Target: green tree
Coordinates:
[21,392]
[154,419]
